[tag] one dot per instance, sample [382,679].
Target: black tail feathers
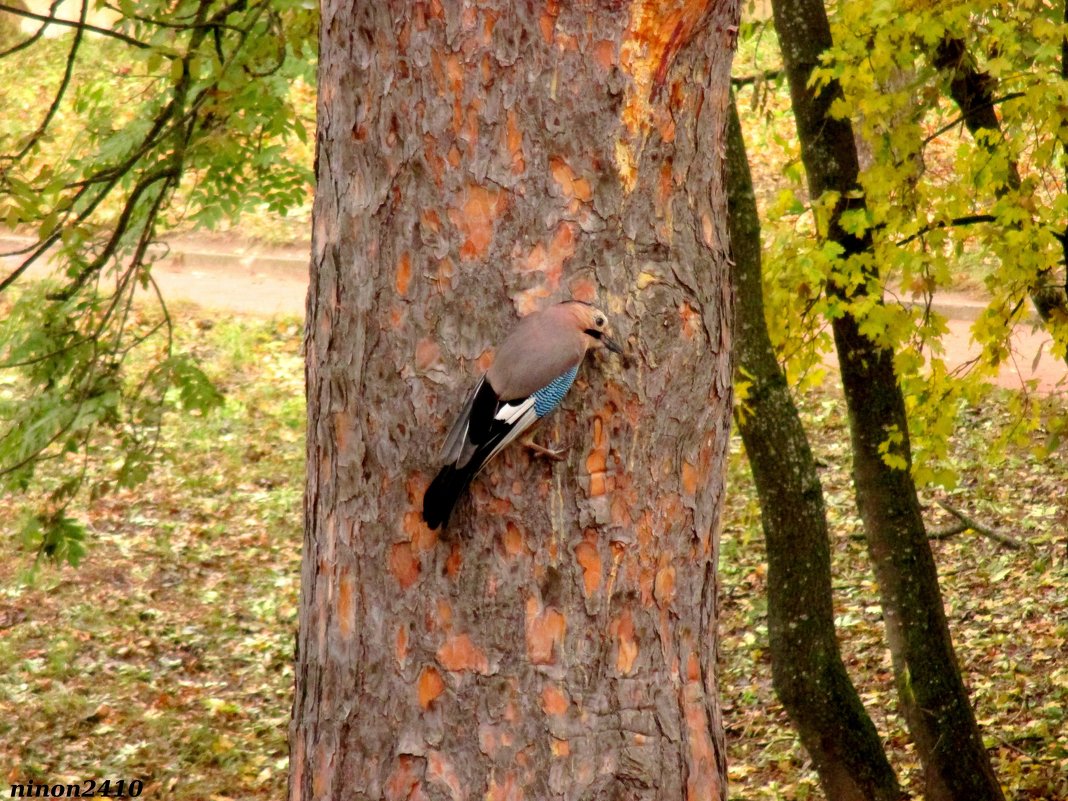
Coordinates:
[443,492]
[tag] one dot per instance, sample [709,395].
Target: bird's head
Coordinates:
[593,323]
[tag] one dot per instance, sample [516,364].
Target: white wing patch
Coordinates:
[510,413]
[521,417]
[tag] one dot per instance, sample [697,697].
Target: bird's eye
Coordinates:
[599,321]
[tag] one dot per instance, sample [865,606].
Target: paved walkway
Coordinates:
[223,274]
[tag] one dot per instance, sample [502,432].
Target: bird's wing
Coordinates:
[509,422]
[454,442]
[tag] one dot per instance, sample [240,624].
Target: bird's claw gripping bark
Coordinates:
[557,455]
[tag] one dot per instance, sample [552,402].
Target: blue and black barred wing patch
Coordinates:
[548,397]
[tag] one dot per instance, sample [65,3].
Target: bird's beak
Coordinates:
[611,344]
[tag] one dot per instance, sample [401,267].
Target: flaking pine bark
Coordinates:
[557,641]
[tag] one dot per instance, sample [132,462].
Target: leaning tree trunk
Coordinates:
[806,664]
[929,684]
[475,163]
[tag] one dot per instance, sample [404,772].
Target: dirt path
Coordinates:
[227,275]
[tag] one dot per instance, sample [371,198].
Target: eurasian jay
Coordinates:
[532,371]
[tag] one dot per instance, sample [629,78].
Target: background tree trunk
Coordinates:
[930,688]
[475,163]
[973,92]
[807,668]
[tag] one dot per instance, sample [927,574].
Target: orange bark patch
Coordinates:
[664,585]
[597,460]
[322,772]
[584,289]
[560,748]
[545,630]
[598,485]
[444,615]
[454,70]
[489,22]
[604,53]
[440,771]
[400,650]
[454,562]
[565,178]
[663,189]
[548,260]
[506,790]
[547,22]
[460,653]
[416,529]
[589,559]
[429,686]
[423,538]
[703,779]
[514,140]
[622,628]
[693,668]
[512,539]
[690,475]
[433,158]
[404,273]
[403,779]
[430,219]
[404,564]
[656,31]
[345,617]
[689,319]
[491,738]
[342,430]
[475,215]
[553,701]
[446,269]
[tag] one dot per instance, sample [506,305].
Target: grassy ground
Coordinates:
[166,656]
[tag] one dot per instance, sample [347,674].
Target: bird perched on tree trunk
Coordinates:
[532,371]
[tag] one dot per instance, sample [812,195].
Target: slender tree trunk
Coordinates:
[930,688]
[807,668]
[558,640]
[973,92]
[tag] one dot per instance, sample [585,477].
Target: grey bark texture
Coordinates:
[807,670]
[558,640]
[930,689]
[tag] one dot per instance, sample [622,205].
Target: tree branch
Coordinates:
[29,41]
[766,75]
[68,70]
[969,219]
[978,528]
[963,117]
[80,25]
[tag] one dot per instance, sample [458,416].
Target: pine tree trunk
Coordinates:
[807,668]
[930,688]
[558,640]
